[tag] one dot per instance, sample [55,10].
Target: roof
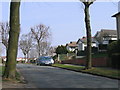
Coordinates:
[84,39]
[116,14]
[72,44]
[108,32]
[105,33]
[3,57]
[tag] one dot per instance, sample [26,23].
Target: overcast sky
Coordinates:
[66,19]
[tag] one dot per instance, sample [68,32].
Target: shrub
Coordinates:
[114,53]
[114,48]
[94,49]
[55,57]
[73,57]
[103,46]
[61,50]
[81,53]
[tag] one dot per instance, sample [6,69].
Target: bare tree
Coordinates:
[25,44]
[4,30]
[33,52]
[87,4]
[45,47]
[10,66]
[51,51]
[40,33]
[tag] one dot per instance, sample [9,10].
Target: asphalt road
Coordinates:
[52,77]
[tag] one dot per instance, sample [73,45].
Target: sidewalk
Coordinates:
[8,84]
[16,84]
[11,84]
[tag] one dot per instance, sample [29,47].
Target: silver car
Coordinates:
[45,60]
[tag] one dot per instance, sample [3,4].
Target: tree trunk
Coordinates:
[88,32]
[10,67]
[39,51]
[25,58]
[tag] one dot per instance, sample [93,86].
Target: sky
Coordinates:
[66,19]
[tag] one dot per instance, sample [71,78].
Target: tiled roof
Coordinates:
[72,44]
[3,57]
[108,32]
[84,40]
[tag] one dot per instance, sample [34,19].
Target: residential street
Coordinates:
[52,77]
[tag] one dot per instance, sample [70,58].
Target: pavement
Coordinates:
[53,77]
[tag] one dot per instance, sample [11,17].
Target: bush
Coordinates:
[114,48]
[73,57]
[55,57]
[32,61]
[114,53]
[61,50]
[81,53]
[115,61]
[94,49]
[103,46]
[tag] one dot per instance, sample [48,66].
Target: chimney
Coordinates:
[83,37]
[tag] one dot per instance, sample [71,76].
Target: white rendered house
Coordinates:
[82,43]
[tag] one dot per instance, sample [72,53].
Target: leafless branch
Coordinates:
[40,34]
[4,30]
[25,43]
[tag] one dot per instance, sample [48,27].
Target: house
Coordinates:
[104,37]
[72,46]
[3,58]
[82,43]
[117,15]
[20,59]
[17,59]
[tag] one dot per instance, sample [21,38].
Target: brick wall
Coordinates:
[95,61]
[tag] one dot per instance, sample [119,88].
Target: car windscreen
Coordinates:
[45,58]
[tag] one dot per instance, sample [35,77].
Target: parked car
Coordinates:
[45,60]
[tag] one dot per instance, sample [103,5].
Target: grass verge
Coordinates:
[18,76]
[111,73]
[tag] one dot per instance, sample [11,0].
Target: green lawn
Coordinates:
[95,70]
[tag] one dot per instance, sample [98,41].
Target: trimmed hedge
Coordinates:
[114,53]
[81,53]
[114,48]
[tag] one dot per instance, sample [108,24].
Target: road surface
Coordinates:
[52,77]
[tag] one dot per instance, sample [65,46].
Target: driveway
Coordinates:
[52,77]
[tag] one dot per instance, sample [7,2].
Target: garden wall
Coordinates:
[103,61]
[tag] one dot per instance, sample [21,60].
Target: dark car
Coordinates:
[45,60]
